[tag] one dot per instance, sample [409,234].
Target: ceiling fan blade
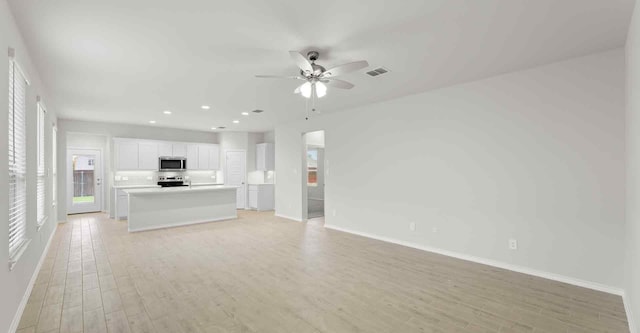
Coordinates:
[301,61]
[280,77]
[345,68]
[338,83]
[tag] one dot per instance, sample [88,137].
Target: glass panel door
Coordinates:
[85,188]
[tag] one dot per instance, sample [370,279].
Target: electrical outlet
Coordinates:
[333,212]
[117,178]
[412,226]
[434,229]
[125,178]
[149,178]
[513,244]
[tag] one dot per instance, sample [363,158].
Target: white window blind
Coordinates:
[17,162]
[54,167]
[41,172]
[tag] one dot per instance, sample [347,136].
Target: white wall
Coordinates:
[536,155]
[269,137]
[72,133]
[632,273]
[14,285]
[315,139]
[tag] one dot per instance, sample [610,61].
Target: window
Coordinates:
[312,167]
[41,171]
[54,166]
[17,163]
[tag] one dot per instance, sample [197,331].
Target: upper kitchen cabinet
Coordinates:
[203,157]
[180,149]
[208,157]
[214,157]
[165,149]
[192,157]
[126,155]
[148,156]
[265,157]
[133,154]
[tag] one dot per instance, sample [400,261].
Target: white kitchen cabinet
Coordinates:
[147,156]
[165,149]
[265,156]
[122,204]
[192,157]
[203,157]
[179,149]
[214,157]
[133,154]
[208,157]
[126,155]
[261,197]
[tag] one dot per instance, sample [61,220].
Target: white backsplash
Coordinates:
[129,178]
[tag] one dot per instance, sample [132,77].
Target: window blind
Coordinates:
[17,160]
[54,167]
[41,172]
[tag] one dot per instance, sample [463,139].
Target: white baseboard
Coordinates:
[627,309]
[27,293]
[490,262]
[181,224]
[288,217]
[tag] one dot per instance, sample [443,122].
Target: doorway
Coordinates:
[84,185]
[236,173]
[315,174]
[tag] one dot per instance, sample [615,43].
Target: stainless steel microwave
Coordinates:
[171,163]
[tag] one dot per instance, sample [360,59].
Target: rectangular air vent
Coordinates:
[377,71]
[221,127]
[257,111]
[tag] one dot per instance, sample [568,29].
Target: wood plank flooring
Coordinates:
[261,273]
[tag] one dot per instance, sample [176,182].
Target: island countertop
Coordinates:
[177,189]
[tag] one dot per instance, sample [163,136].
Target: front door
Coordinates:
[84,189]
[235,174]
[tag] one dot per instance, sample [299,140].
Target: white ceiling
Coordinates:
[127,61]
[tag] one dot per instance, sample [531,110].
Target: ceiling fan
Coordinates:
[317,77]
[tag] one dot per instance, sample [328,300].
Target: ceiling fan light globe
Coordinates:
[305,89]
[321,89]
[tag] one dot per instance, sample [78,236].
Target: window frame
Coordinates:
[41,173]
[17,161]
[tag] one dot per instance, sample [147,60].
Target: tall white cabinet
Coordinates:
[265,157]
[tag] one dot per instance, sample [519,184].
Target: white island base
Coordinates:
[156,208]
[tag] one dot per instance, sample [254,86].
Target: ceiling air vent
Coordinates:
[377,71]
[257,111]
[221,127]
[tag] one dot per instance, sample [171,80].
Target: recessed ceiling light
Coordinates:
[166,112]
[152,121]
[236,121]
[213,128]
[205,107]
[245,113]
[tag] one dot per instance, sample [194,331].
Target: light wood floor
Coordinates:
[265,274]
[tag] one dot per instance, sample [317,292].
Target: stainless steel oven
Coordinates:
[171,163]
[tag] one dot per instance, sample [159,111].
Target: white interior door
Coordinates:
[84,187]
[236,173]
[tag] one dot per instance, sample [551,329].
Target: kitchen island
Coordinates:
[156,208]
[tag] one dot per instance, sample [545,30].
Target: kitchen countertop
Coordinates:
[180,189]
[206,184]
[135,186]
